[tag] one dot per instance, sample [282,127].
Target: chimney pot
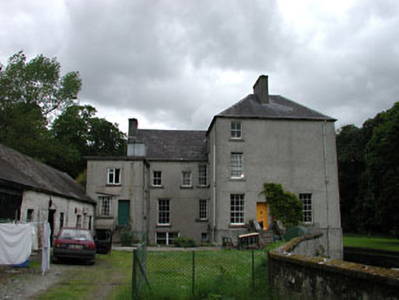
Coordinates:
[261,89]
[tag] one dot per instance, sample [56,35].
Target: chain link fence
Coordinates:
[219,274]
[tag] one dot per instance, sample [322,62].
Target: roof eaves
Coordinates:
[25,187]
[326,118]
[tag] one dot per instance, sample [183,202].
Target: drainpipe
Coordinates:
[214,187]
[326,183]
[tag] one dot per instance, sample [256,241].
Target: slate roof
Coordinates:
[177,145]
[277,108]
[23,170]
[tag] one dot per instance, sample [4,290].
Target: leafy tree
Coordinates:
[368,160]
[33,98]
[351,166]
[383,168]
[30,93]
[284,206]
[38,82]
[78,127]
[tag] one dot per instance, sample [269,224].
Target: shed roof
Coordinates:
[23,170]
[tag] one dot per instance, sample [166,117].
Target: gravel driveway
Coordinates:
[28,283]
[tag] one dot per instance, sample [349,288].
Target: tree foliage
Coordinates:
[284,206]
[368,159]
[38,82]
[38,116]
[78,127]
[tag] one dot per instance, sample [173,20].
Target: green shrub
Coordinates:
[184,242]
[127,238]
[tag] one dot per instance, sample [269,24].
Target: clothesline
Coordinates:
[18,239]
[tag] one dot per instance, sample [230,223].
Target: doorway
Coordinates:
[123,212]
[261,215]
[50,220]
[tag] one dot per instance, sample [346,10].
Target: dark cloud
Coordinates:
[176,64]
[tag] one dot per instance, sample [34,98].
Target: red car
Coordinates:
[74,244]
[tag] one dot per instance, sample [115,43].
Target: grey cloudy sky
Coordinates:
[176,63]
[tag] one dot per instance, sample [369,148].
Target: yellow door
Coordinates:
[261,214]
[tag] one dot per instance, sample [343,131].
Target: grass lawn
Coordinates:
[373,242]
[226,274]
[217,274]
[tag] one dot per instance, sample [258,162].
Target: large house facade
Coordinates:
[207,184]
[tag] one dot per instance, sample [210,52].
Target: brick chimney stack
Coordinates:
[261,89]
[133,124]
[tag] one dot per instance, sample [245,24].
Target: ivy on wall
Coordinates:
[284,206]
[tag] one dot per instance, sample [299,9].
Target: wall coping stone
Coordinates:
[377,274]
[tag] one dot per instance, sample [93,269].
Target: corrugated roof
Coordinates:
[277,108]
[21,169]
[173,144]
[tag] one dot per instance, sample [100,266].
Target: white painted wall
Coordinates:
[40,202]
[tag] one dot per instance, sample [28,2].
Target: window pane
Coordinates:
[163,211]
[161,238]
[236,165]
[186,178]
[105,207]
[237,209]
[236,130]
[202,175]
[114,176]
[307,207]
[157,178]
[117,176]
[110,176]
[203,211]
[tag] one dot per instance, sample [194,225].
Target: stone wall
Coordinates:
[300,276]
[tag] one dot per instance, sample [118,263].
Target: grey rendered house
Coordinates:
[206,184]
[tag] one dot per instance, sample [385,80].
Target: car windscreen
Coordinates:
[76,235]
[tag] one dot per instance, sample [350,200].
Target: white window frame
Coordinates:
[202,175]
[157,176]
[114,176]
[237,209]
[306,199]
[203,209]
[186,179]
[237,165]
[236,130]
[105,206]
[168,237]
[163,218]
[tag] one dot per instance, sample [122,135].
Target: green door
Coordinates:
[123,212]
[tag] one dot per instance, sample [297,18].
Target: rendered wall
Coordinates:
[184,201]
[39,203]
[132,188]
[299,154]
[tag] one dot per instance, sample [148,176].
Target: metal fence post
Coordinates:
[193,280]
[253,270]
[134,274]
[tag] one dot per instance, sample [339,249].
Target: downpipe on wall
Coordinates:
[324,135]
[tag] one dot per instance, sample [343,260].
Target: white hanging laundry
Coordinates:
[46,248]
[15,243]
